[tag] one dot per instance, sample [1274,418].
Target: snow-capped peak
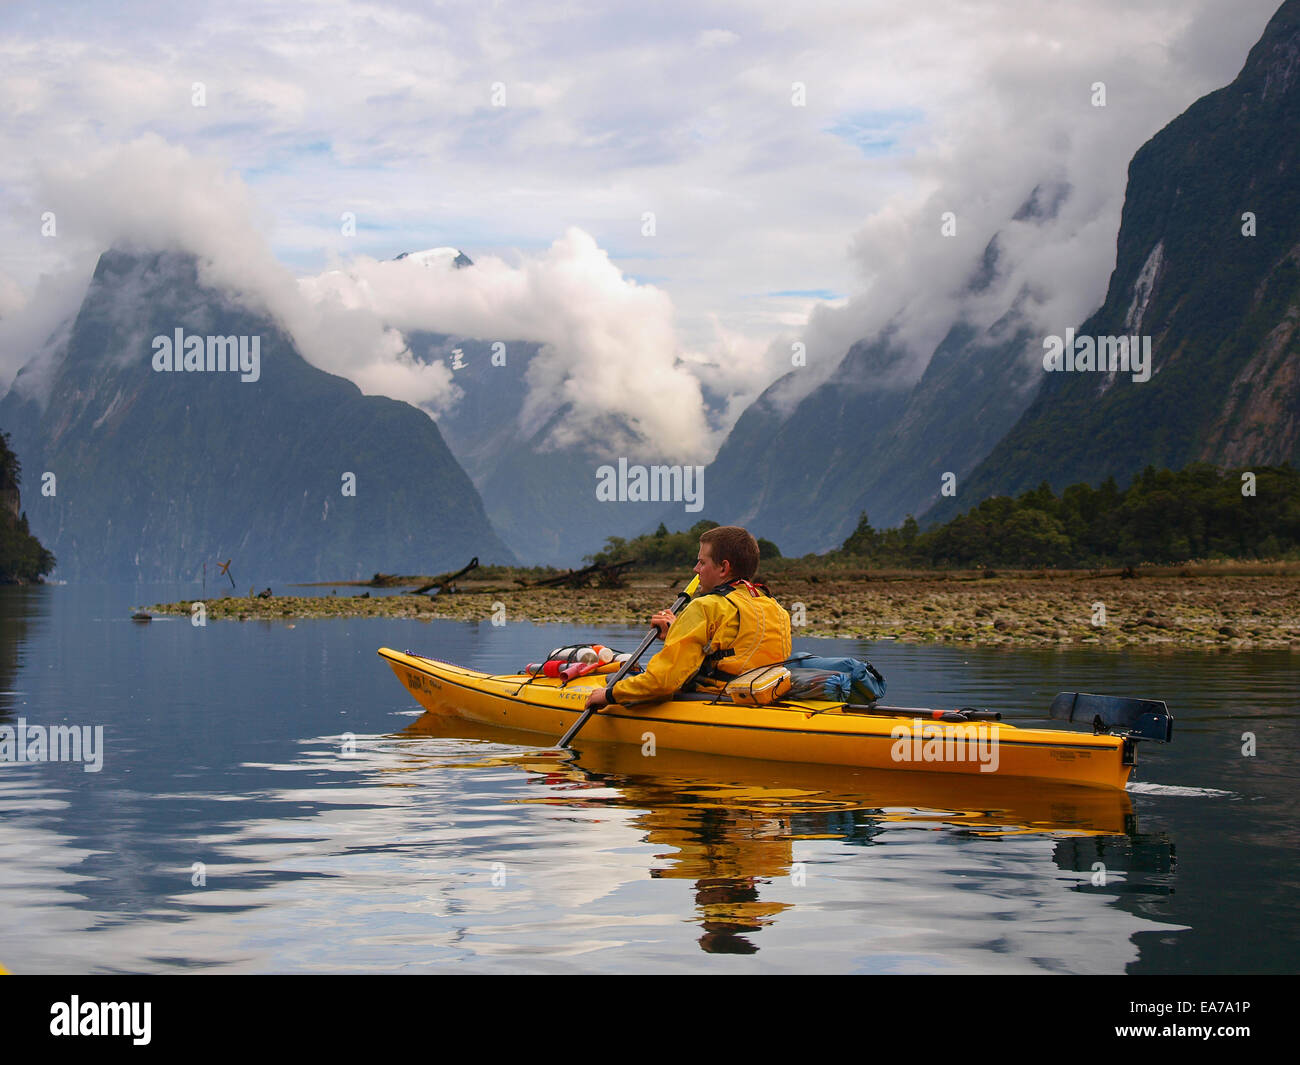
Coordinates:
[441,257]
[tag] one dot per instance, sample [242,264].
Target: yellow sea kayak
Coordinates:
[808,731]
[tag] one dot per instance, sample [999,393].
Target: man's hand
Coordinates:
[662,621]
[596,698]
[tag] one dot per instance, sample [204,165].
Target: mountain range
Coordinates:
[540,496]
[137,471]
[287,470]
[1207,278]
[872,438]
[1207,274]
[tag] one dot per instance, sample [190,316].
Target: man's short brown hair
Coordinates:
[731,543]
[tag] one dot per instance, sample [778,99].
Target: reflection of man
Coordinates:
[729,854]
[732,626]
[722,930]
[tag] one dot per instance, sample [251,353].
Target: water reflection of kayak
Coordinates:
[729,826]
[821,733]
[820,795]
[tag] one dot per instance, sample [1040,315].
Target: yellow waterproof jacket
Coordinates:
[738,622]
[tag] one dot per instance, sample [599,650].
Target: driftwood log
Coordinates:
[607,574]
[444,579]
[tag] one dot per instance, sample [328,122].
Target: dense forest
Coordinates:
[22,556]
[1163,516]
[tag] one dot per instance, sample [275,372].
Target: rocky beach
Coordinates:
[1162,611]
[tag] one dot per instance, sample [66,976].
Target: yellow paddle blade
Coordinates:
[695,583]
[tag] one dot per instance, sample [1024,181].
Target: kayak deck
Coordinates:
[806,731]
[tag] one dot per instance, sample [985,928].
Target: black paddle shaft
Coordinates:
[682,600]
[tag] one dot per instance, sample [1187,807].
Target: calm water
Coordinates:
[271,799]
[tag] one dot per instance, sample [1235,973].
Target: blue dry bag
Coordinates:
[840,680]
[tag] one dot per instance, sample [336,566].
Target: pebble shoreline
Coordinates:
[1158,612]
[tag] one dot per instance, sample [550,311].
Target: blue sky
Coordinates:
[877,133]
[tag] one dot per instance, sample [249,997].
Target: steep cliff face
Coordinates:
[288,470]
[1208,274]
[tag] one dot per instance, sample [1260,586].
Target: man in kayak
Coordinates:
[731,626]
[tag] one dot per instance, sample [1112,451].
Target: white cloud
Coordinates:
[33,325]
[158,195]
[12,298]
[609,346]
[716,38]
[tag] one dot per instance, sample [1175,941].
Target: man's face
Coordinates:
[711,574]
